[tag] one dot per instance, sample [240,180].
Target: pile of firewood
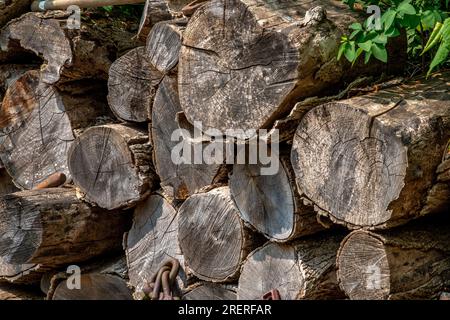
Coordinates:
[88,179]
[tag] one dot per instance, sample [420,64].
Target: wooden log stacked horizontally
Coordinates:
[103,137]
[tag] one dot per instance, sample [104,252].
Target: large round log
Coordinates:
[37,124]
[271,203]
[154,12]
[210,291]
[408,262]
[132,84]
[178,180]
[213,239]
[71,52]
[152,239]
[371,161]
[244,63]
[164,44]
[53,227]
[111,165]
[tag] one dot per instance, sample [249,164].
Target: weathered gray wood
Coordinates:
[408,262]
[210,291]
[271,203]
[151,240]
[304,269]
[53,227]
[154,11]
[371,161]
[244,63]
[184,179]
[132,85]
[111,165]
[37,124]
[213,239]
[69,54]
[20,273]
[164,44]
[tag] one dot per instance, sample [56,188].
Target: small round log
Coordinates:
[213,239]
[111,165]
[210,291]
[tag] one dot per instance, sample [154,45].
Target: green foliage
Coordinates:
[124,10]
[417,18]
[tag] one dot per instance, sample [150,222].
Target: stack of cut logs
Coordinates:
[88,181]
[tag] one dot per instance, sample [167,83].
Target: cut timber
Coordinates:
[20,273]
[408,262]
[36,128]
[210,291]
[304,269]
[164,44]
[10,73]
[151,240]
[132,85]
[183,179]
[213,239]
[111,164]
[271,203]
[53,227]
[371,161]
[244,63]
[154,11]
[10,9]
[69,53]
[100,281]
[14,292]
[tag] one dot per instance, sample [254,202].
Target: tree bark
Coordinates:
[210,291]
[37,124]
[184,179]
[132,85]
[271,203]
[154,12]
[409,262]
[71,52]
[304,269]
[244,63]
[164,44]
[152,239]
[213,239]
[371,161]
[52,227]
[111,165]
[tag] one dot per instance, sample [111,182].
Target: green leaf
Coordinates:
[350,52]
[341,50]
[441,55]
[354,33]
[392,32]
[406,8]
[379,52]
[356,26]
[358,53]
[411,21]
[434,37]
[381,39]
[388,18]
[367,57]
[365,45]
[108,8]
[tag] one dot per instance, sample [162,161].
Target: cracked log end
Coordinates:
[213,238]
[132,85]
[111,164]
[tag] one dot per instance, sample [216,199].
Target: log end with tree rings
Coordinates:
[270,202]
[370,161]
[111,164]
[152,239]
[35,131]
[132,85]
[213,239]
[53,227]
